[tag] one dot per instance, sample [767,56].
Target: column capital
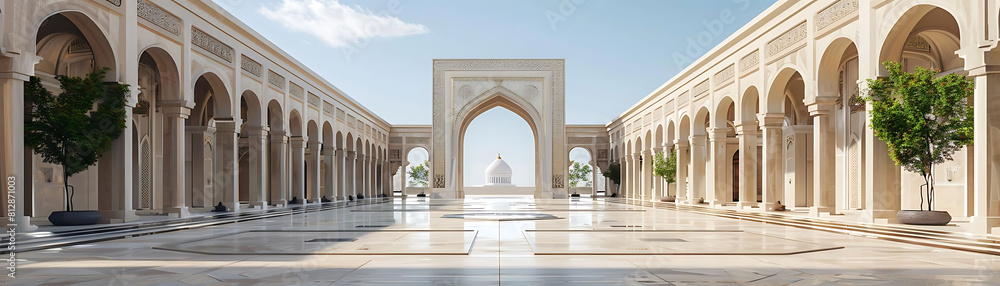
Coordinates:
[770,119]
[746,127]
[697,139]
[297,141]
[821,105]
[256,131]
[278,133]
[658,149]
[351,155]
[718,134]
[984,70]
[339,152]
[646,152]
[226,125]
[279,138]
[199,129]
[176,108]
[681,143]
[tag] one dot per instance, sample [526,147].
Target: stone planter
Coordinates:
[65,218]
[918,217]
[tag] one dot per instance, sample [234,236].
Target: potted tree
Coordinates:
[614,173]
[665,167]
[74,129]
[419,175]
[578,173]
[924,119]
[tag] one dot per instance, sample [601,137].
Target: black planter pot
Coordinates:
[575,195]
[64,218]
[918,217]
[421,195]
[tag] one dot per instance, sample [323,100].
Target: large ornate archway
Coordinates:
[532,89]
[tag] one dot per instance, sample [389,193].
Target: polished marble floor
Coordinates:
[592,242]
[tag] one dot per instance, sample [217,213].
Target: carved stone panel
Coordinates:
[211,44]
[249,65]
[159,17]
[276,79]
[834,12]
[557,182]
[786,40]
[750,61]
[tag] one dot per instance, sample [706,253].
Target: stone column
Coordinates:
[342,173]
[647,175]
[258,166]
[298,144]
[627,179]
[748,136]
[329,185]
[824,156]
[361,170]
[350,174]
[12,148]
[313,175]
[402,178]
[683,160]
[797,169]
[201,175]
[174,178]
[697,168]
[772,166]
[226,181]
[277,173]
[593,179]
[986,197]
[719,185]
[114,200]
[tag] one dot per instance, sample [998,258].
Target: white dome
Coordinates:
[498,173]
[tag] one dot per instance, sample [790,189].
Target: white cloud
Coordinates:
[339,25]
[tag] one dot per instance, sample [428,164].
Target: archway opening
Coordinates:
[68,44]
[582,172]
[498,135]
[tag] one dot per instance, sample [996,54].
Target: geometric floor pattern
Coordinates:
[594,242]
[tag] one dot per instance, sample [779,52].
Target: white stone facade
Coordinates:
[782,86]
[218,114]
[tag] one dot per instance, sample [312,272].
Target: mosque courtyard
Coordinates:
[598,241]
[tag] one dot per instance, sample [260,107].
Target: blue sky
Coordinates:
[379,52]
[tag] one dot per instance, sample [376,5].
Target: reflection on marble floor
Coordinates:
[502,251]
[326,242]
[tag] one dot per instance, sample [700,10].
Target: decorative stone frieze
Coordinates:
[249,65]
[211,44]
[159,17]
[836,11]
[786,40]
[275,79]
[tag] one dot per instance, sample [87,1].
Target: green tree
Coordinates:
[77,127]
[418,175]
[578,173]
[665,167]
[614,173]
[923,118]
